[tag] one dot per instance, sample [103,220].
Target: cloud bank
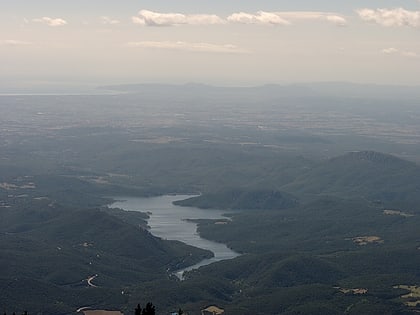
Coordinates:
[186,46]
[260,17]
[106,20]
[294,16]
[404,53]
[53,22]
[391,17]
[150,18]
[13,42]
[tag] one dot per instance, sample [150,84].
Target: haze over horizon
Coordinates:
[242,43]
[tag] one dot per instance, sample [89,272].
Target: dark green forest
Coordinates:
[326,221]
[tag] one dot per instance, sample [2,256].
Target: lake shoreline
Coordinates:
[171,222]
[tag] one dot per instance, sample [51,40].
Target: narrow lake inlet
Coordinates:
[171,222]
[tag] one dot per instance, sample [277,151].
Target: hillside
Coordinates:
[367,175]
[241,199]
[56,250]
[310,226]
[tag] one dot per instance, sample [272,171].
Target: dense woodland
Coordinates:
[326,220]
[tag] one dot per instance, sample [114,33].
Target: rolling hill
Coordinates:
[370,175]
[241,199]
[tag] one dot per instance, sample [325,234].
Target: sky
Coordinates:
[219,42]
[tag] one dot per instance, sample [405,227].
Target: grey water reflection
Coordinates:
[171,222]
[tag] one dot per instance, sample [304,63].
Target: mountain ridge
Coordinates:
[371,175]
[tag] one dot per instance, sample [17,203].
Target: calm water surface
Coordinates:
[168,221]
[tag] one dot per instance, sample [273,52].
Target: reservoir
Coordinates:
[170,222]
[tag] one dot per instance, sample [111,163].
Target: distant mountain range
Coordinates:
[320,89]
[307,89]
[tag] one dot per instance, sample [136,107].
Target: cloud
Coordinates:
[13,42]
[404,53]
[410,54]
[109,21]
[331,17]
[391,17]
[286,17]
[50,21]
[185,46]
[336,19]
[389,51]
[260,18]
[150,18]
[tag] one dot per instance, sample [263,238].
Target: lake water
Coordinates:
[168,221]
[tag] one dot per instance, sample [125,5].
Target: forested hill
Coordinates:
[242,199]
[50,251]
[366,174]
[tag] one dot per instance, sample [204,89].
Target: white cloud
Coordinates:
[138,20]
[404,53]
[109,21]
[260,18]
[336,19]
[410,54]
[150,18]
[186,46]
[390,51]
[314,15]
[13,42]
[286,17]
[391,17]
[51,21]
